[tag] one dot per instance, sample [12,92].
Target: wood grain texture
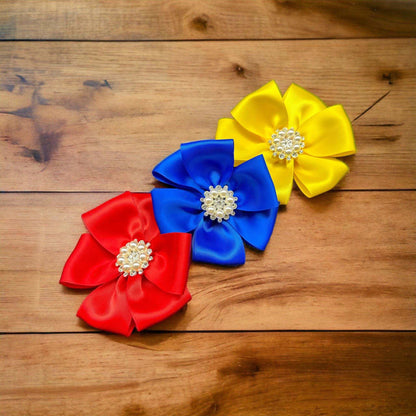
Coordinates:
[100,116]
[345,260]
[205,19]
[244,374]
[97,116]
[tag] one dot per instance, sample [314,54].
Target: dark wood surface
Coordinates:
[65,103]
[176,374]
[206,19]
[322,323]
[332,263]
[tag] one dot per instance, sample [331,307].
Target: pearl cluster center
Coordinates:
[287,144]
[219,203]
[134,257]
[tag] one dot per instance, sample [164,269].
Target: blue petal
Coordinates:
[176,210]
[218,244]
[172,171]
[209,162]
[253,186]
[255,227]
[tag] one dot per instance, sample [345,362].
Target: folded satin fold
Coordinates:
[120,301]
[194,171]
[260,118]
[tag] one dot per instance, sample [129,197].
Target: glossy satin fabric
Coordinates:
[327,132]
[191,170]
[119,304]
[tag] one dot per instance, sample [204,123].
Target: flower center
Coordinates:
[286,144]
[134,257]
[219,203]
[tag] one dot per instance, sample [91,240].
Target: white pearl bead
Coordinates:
[133,257]
[287,143]
[218,203]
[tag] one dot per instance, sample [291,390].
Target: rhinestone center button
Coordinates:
[287,144]
[134,257]
[219,203]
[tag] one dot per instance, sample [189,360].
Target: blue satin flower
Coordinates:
[220,204]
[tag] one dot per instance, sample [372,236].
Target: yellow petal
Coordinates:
[282,176]
[301,105]
[328,133]
[246,144]
[262,111]
[315,175]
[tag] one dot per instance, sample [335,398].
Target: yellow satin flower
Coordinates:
[298,135]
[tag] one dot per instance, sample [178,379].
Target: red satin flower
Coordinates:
[152,285]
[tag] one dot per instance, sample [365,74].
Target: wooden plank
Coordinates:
[205,19]
[100,116]
[268,374]
[345,260]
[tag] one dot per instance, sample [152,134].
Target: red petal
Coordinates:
[148,221]
[107,308]
[149,305]
[89,265]
[117,221]
[170,265]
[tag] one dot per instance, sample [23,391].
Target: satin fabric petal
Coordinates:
[145,211]
[176,210]
[171,258]
[217,243]
[301,105]
[209,162]
[149,305]
[118,221]
[328,133]
[281,173]
[107,308]
[172,171]
[315,176]
[246,144]
[253,186]
[248,224]
[89,265]
[262,111]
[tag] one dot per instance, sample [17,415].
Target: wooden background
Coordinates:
[93,93]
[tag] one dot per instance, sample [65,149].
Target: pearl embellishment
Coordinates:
[287,144]
[219,203]
[134,257]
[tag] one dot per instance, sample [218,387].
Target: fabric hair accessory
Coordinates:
[220,204]
[223,193]
[139,274]
[298,135]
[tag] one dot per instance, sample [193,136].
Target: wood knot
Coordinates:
[33,153]
[243,368]
[239,70]
[391,76]
[97,84]
[288,4]
[201,23]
